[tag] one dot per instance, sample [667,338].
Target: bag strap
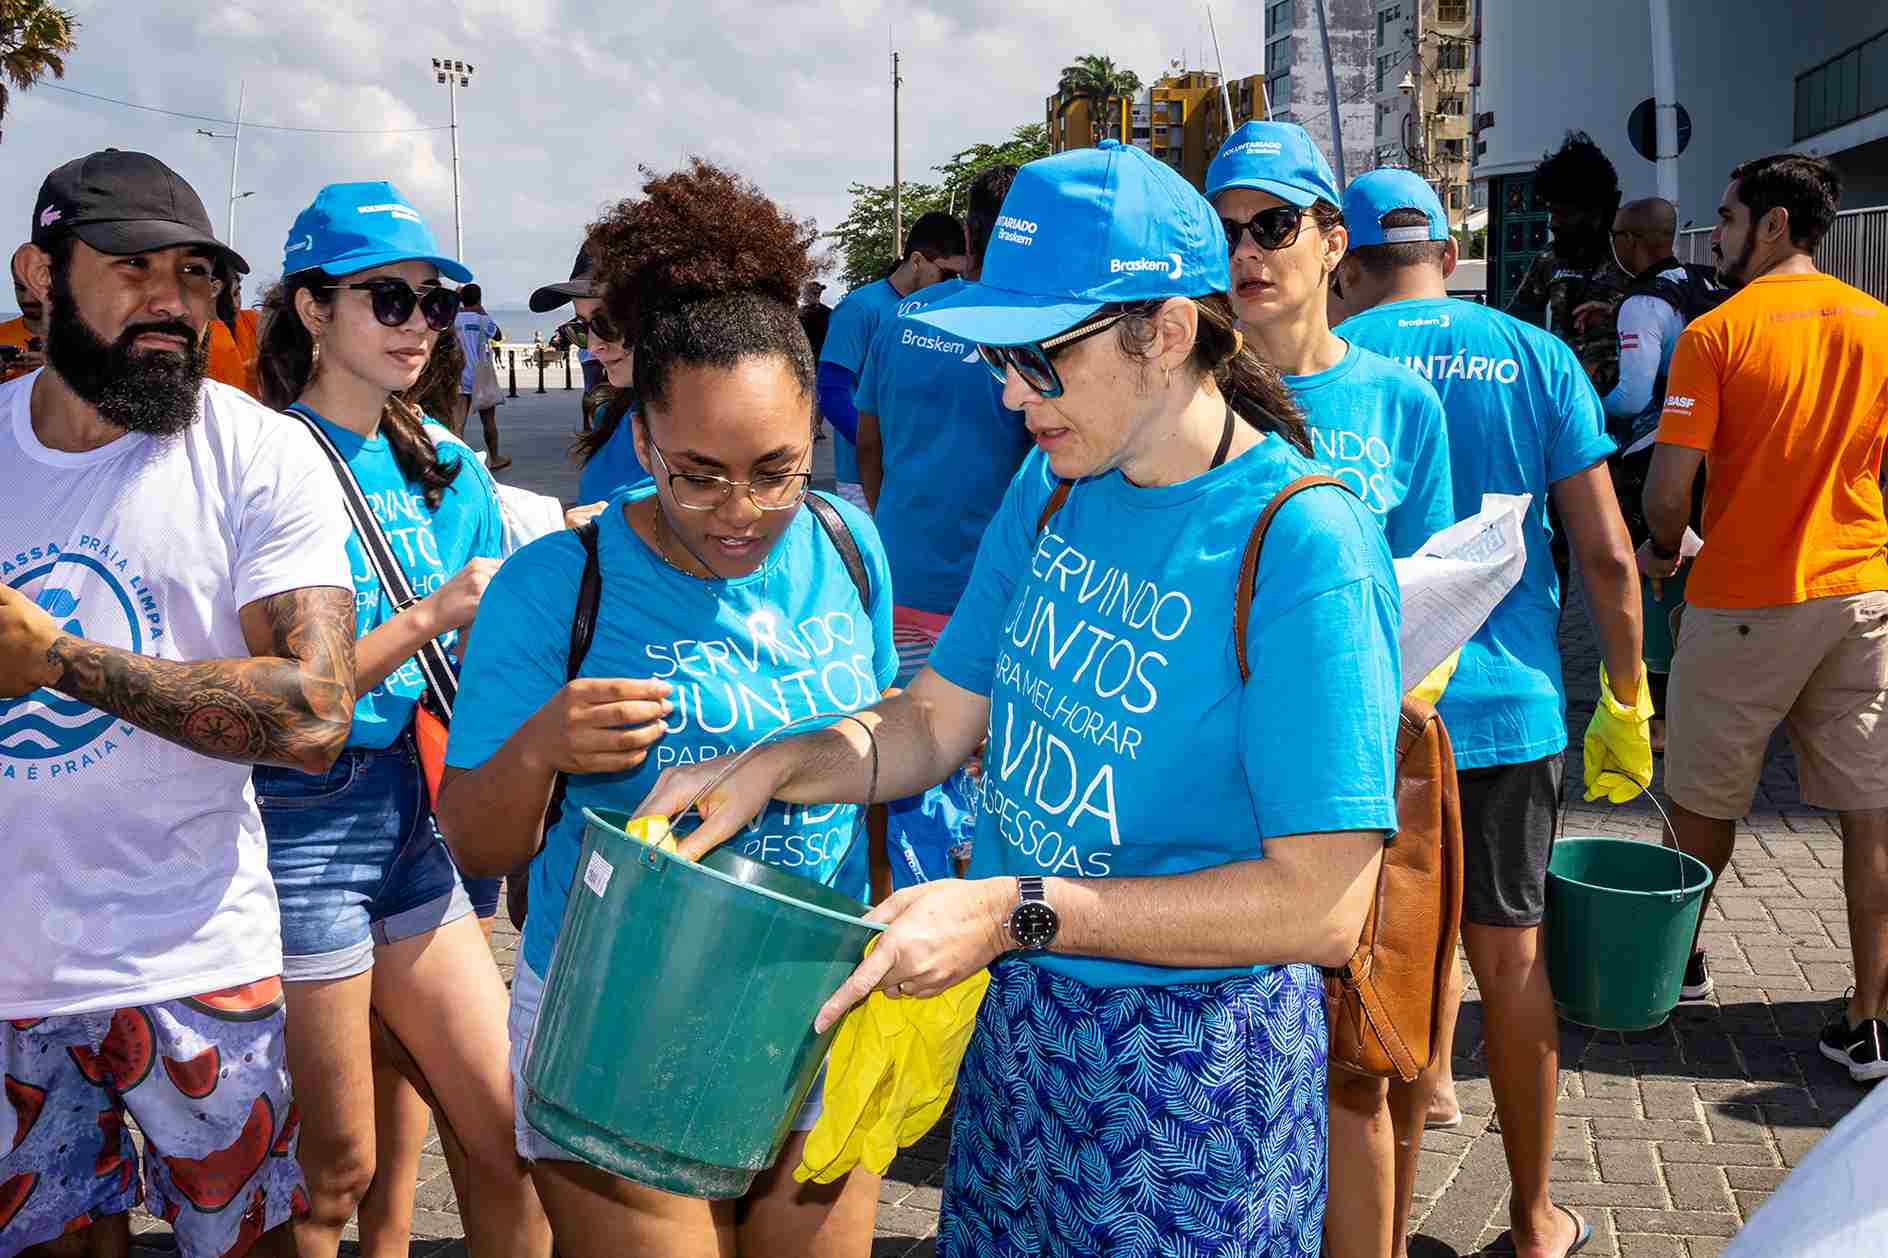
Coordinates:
[437,668]
[583,630]
[845,543]
[1249,565]
[1049,508]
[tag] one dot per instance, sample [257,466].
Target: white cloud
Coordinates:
[569,98]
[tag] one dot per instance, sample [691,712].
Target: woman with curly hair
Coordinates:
[708,576]
[1169,845]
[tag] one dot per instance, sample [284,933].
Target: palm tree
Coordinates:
[1096,79]
[34,38]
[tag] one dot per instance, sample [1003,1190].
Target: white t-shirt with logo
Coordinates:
[136,871]
[476,330]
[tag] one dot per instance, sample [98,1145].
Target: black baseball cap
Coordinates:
[551,296]
[121,202]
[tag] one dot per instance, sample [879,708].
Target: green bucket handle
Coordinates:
[1677,894]
[735,761]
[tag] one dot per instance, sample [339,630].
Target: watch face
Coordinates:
[1033,924]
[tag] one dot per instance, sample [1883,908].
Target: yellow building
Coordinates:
[1168,119]
[1079,122]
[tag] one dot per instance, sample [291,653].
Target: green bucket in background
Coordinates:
[675,1041]
[1621,916]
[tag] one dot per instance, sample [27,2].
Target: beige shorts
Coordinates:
[1819,668]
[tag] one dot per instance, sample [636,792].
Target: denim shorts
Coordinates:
[356,860]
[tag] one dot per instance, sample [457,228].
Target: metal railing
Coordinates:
[1855,251]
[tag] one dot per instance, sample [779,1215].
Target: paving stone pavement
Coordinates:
[1668,1139]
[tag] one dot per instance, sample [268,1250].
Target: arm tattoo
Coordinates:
[290,706]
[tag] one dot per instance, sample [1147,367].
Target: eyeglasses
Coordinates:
[1034,363]
[394,300]
[693,492]
[1272,230]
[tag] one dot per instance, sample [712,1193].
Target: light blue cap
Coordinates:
[1376,193]
[1078,231]
[1276,157]
[357,226]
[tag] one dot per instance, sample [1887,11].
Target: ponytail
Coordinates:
[287,358]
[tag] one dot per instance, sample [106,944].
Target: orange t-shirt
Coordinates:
[13,332]
[1785,389]
[233,358]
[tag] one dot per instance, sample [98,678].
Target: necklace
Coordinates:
[662,549]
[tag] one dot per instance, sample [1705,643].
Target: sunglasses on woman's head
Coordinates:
[1034,362]
[394,300]
[1272,230]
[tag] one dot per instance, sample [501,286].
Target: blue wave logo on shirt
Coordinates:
[88,600]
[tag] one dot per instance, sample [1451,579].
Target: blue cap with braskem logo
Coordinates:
[1276,157]
[356,226]
[1377,193]
[1078,231]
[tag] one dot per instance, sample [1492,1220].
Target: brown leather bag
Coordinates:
[1386,1003]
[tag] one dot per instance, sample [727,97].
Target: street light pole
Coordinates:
[235,154]
[455,75]
[898,187]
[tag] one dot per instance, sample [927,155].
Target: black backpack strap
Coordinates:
[583,630]
[843,542]
[442,684]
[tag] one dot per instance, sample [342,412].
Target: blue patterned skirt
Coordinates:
[1171,1121]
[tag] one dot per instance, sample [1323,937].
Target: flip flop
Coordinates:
[1443,1124]
[1583,1231]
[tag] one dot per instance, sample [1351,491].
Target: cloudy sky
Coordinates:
[570,96]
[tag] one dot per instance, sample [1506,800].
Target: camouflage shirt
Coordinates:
[1561,288]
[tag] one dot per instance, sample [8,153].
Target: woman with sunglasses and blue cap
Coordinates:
[607,447]
[733,602]
[375,917]
[1381,429]
[1168,850]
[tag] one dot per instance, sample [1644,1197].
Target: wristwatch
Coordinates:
[1659,552]
[1032,924]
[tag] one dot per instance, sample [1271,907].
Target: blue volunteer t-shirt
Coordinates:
[1522,415]
[1121,740]
[615,467]
[950,450]
[430,545]
[1379,427]
[849,336]
[744,657]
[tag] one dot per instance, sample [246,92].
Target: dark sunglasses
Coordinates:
[1273,229]
[1034,363]
[394,300]
[599,323]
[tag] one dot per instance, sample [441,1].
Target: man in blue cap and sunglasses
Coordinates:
[1523,419]
[1166,851]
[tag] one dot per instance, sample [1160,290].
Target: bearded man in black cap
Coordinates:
[176,606]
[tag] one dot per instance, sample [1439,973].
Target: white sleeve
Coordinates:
[1647,324]
[293,529]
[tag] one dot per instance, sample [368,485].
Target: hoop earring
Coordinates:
[314,359]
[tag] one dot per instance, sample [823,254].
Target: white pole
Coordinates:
[1665,99]
[1330,86]
[898,182]
[458,217]
[235,150]
[1225,96]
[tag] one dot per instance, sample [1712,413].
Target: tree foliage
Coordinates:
[1102,83]
[864,237]
[34,38]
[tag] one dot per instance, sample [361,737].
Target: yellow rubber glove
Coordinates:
[1430,688]
[889,1076]
[654,831]
[1619,745]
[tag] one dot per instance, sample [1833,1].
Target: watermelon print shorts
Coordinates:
[1176,1121]
[207,1083]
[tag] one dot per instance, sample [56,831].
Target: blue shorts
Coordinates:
[205,1079]
[1118,1120]
[356,860]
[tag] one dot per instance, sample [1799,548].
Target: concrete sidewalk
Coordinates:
[1668,1139]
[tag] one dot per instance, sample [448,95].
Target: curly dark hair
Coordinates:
[1578,174]
[703,269]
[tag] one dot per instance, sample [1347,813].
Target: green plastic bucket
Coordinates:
[675,1040]
[1621,915]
